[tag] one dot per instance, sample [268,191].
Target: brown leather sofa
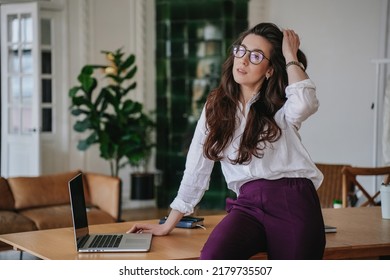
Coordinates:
[36,203]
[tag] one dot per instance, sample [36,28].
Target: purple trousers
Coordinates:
[281,217]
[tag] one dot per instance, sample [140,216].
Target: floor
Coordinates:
[127,215]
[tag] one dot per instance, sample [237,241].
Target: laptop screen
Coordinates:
[129,242]
[77,200]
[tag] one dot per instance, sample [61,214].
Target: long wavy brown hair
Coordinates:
[261,128]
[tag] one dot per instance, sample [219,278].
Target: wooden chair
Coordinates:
[349,179]
[331,187]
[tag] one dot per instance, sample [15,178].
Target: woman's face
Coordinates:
[248,75]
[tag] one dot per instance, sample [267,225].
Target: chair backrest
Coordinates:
[331,187]
[351,186]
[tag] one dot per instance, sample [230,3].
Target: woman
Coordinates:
[250,124]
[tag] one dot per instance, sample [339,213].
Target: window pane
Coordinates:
[46,120]
[14,121]
[27,89]
[46,91]
[14,90]
[26,28]
[45,32]
[13,62]
[27,127]
[27,60]
[46,62]
[13,29]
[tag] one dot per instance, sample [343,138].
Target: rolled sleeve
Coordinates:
[301,102]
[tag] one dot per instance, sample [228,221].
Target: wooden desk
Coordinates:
[362,233]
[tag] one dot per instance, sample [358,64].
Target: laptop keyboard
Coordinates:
[106,241]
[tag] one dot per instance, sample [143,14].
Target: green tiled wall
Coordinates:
[193,37]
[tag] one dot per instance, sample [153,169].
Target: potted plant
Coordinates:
[109,116]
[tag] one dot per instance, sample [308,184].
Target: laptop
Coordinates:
[112,242]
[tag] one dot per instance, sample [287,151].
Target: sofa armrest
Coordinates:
[105,192]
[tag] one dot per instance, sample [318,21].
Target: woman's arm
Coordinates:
[290,46]
[159,229]
[301,96]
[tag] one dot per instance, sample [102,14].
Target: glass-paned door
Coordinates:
[20,146]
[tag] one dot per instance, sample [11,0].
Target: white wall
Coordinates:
[340,38]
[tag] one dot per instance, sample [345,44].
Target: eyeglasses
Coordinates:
[255,57]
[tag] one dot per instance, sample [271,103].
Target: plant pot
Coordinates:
[142,186]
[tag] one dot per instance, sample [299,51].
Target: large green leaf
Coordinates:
[131,73]
[83,125]
[82,145]
[128,62]
[131,87]
[88,83]
[87,70]
[73,91]
[131,107]
[78,112]
[86,143]
[79,101]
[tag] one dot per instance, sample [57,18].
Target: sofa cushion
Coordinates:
[6,197]
[61,216]
[13,222]
[40,191]
[49,217]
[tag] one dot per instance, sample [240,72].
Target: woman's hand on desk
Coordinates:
[159,229]
[151,228]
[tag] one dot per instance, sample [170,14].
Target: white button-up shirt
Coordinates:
[287,157]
